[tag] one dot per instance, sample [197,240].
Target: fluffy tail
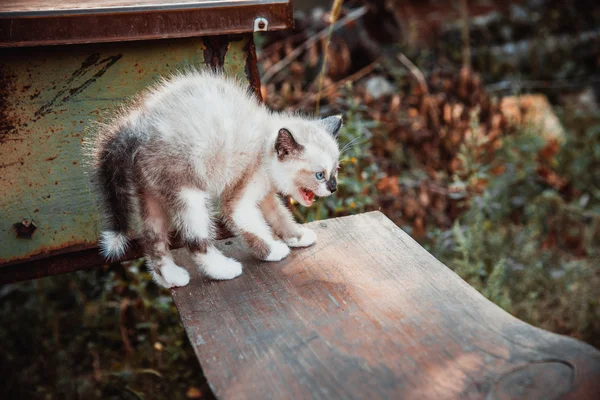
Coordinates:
[114,170]
[113,245]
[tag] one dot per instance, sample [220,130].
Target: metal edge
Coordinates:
[75,258]
[137,8]
[83,257]
[117,27]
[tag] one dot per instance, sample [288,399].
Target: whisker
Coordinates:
[357,143]
[350,144]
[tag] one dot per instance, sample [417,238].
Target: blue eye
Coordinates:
[320,176]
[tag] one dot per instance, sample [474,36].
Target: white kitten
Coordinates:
[198,138]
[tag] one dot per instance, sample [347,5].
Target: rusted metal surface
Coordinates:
[50,98]
[215,50]
[25,229]
[251,69]
[367,313]
[33,22]
[7,122]
[76,258]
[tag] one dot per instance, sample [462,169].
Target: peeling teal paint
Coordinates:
[55,94]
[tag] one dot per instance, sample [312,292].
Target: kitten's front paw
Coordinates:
[279,251]
[308,238]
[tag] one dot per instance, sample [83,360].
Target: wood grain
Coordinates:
[367,313]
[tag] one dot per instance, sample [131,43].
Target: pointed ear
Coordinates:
[332,124]
[286,145]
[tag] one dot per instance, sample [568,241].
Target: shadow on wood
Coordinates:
[368,313]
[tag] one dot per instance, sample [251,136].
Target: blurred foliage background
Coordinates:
[472,125]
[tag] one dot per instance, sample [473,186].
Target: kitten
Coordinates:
[196,139]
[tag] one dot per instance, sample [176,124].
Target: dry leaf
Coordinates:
[193,393]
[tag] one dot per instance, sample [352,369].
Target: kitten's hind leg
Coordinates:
[195,225]
[155,242]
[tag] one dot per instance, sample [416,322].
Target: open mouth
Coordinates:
[308,196]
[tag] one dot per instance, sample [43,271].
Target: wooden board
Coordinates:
[38,22]
[367,313]
[48,99]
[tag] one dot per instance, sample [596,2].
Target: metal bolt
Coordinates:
[25,229]
[261,24]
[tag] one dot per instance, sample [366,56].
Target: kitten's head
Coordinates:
[306,158]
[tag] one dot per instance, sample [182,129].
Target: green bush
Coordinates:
[524,243]
[530,247]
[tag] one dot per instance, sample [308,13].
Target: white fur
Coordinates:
[160,281]
[195,221]
[222,129]
[172,274]
[317,156]
[308,238]
[247,215]
[217,266]
[213,126]
[279,251]
[113,245]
